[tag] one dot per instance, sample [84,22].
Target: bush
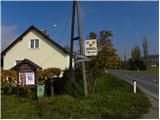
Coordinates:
[72,87]
[8,81]
[134,65]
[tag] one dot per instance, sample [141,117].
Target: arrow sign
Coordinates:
[81,60]
[80,56]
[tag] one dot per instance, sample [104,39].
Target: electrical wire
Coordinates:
[62,35]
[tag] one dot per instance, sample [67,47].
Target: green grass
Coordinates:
[114,98]
[153,70]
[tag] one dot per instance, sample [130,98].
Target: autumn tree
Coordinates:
[92,35]
[106,52]
[106,57]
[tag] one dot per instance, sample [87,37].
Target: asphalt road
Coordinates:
[148,83]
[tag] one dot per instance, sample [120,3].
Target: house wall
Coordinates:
[47,55]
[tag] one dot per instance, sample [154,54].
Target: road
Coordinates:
[148,83]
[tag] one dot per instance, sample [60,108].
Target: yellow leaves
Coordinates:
[8,78]
[49,72]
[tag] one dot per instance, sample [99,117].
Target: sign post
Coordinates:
[91,47]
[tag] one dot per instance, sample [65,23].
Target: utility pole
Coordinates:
[82,52]
[76,8]
[72,37]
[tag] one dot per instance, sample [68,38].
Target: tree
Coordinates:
[92,35]
[136,54]
[136,62]
[106,52]
[145,50]
[106,58]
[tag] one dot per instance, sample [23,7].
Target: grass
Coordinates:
[114,98]
[153,70]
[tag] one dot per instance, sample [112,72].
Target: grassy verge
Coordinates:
[153,70]
[114,98]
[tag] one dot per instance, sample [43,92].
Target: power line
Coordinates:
[68,19]
[66,25]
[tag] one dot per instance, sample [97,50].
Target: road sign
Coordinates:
[81,60]
[80,56]
[91,47]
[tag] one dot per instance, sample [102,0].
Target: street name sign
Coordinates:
[91,47]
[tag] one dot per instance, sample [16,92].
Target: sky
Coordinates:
[130,21]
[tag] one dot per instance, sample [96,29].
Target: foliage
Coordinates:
[136,62]
[27,91]
[107,57]
[114,98]
[134,65]
[136,54]
[145,50]
[72,87]
[92,35]
[48,73]
[8,80]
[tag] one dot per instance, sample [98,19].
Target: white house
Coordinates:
[37,47]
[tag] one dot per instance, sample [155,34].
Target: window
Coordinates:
[34,43]
[37,43]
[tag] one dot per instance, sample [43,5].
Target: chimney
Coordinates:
[44,31]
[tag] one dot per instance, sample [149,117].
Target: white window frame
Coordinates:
[34,44]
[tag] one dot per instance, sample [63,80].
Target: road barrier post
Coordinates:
[134,86]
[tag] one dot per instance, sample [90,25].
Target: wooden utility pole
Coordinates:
[76,8]
[72,37]
[81,51]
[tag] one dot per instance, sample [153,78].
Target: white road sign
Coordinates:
[91,47]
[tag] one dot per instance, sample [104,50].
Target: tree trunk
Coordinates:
[52,88]
[94,83]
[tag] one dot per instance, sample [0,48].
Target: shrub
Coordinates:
[72,87]
[8,80]
[48,77]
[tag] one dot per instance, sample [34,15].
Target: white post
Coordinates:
[134,85]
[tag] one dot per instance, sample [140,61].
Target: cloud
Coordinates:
[8,35]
